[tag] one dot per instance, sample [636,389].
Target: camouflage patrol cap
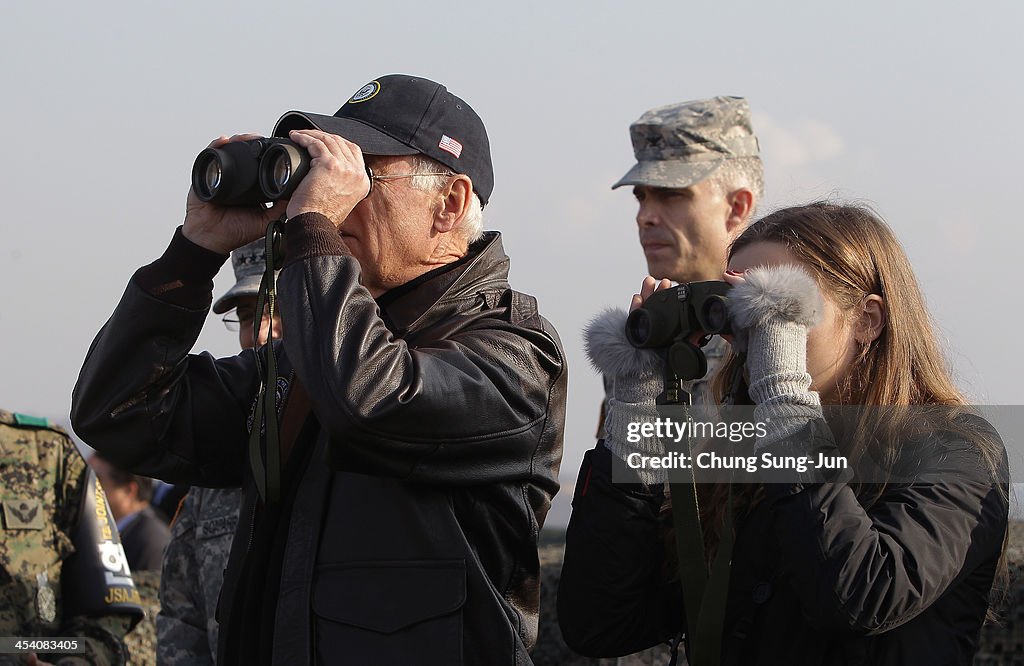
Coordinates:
[682,144]
[249,262]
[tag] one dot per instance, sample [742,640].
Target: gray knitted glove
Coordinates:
[636,377]
[771,312]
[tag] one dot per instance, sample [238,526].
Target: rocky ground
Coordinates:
[1002,643]
[141,641]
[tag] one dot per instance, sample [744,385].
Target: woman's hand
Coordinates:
[771,309]
[633,377]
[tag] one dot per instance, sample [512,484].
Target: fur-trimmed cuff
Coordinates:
[784,292]
[609,351]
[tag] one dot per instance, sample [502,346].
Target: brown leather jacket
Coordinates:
[442,414]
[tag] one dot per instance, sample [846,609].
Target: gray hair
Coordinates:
[740,172]
[472,227]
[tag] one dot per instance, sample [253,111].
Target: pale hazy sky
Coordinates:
[915,107]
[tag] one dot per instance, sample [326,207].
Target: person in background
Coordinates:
[143,534]
[697,181]
[889,559]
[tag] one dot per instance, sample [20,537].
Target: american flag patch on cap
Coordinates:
[450,145]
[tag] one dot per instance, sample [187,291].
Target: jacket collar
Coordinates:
[483,271]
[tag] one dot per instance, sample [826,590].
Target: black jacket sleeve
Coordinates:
[148,405]
[614,596]
[870,569]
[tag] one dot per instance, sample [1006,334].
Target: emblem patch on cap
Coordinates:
[450,145]
[366,92]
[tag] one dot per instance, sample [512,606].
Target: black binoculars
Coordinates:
[249,172]
[669,317]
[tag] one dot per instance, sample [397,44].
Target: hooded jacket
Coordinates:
[416,488]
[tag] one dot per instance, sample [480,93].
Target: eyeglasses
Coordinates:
[233,320]
[394,176]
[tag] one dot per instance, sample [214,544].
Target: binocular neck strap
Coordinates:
[705,592]
[264,438]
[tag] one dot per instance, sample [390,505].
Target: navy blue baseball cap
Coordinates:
[400,114]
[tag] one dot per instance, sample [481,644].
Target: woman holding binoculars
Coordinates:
[894,567]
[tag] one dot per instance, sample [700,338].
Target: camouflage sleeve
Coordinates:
[182,624]
[103,644]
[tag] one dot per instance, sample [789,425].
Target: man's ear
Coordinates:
[454,202]
[741,207]
[870,319]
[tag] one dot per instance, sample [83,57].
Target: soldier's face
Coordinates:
[685,233]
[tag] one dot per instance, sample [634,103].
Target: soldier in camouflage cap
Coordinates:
[682,144]
[63,572]
[697,181]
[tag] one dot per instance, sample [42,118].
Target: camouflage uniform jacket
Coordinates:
[53,581]
[192,576]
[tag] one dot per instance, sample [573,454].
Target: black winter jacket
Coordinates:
[816,577]
[443,417]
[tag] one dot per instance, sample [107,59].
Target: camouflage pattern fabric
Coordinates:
[193,574]
[679,145]
[44,486]
[141,642]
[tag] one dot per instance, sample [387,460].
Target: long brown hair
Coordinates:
[852,253]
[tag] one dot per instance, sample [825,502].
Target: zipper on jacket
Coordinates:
[252,528]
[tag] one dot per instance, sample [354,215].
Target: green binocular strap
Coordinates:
[705,593]
[264,424]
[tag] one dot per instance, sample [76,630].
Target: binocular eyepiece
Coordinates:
[670,316]
[249,172]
